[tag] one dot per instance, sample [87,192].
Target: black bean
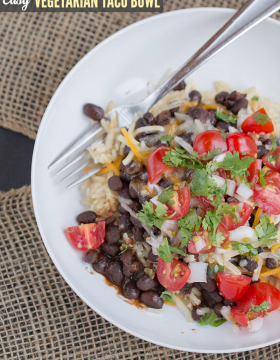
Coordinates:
[112,234]
[143,199]
[135,187]
[102,263]
[86,217]
[149,117]
[267,142]
[91,256]
[240,104]
[139,273]
[165,183]
[220,97]
[152,299]
[124,192]
[126,177]
[262,150]
[210,298]
[93,111]
[134,167]
[110,220]
[195,95]
[127,257]
[187,137]
[135,222]
[195,315]
[145,283]
[115,183]
[161,143]
[146,235]
[174,110]
[141,122]
[217,309]
[251,220]
[138,233]
[270,263]
[110,249]
[210,285]
[223,125]
[212,114]
[278,141]
[152,257]
[121,210]
[198,113]
[131,268]
[235,260]
[126,150]
[125,222]
[135,206]
[156,231]
[163,118]
[197,285]
[189,174]
[260,249]
[229,302]
[235,96]
[133,190]
[251,264]
[180,86]
[114,273]
[130,290]
[187,289]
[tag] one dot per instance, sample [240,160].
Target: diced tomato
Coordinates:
[173,275]
[257,293]
[87,236]
[239,316]
[243,214]
[268,196]
[232,287]
[181,204]
[254,171]
[242,143]
[209,140]
[155,166]
[251,124]
[205,201]
[274,165]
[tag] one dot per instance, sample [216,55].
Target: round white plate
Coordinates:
[123,68]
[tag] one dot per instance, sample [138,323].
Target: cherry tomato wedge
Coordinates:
[173,275]
[232,287]
[87,236]
[239,316]
[257,293]
[209,140]
[181,204]
[251,124]
[268,196]
[155,165]
[254,171]
[243,212]
[242,143]
[275,164]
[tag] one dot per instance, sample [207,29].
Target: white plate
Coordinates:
[119,69]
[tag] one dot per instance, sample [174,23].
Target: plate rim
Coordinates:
[34,199]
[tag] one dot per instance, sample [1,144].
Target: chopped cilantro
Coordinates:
[255,98]
[210,319]
[245,248]
[186,235]
[165,251]
[191,221]
[125,248]
[179,157]
[273,143]
[167,138]
[166,296]
[266,231]
[201,183]
[210,223]
[225,208]
[272,158]
[237,166]
[223,136]
[211,166]
[166,195]
[244,153]
[261,119]
[264,306]
[153,217]
[225,117]
[262,177]
[217,268]
[211,154]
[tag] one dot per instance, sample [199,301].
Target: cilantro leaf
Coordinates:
[125,248]
[167,296]
[176,157]
[211,154]
[165,251]
[265,231]
[237,166]
[167,138]
[210,223]
[273,143]
[175,250]
[245,248]
[223,136]
[255,98]
[262,177]
[217,268]
[225,117]
[153,217]
[225,208]
[272,158]
[201,183]
[210,319]
[264,306]
[186,235]
[211,166]
[261,119]
[166,195]
[191,221]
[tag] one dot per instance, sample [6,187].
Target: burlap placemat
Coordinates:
[40,316]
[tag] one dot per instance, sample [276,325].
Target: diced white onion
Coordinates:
[220,157]
[199,244]
[203,311]
[255,325]
[220,251]
[184,144]
[241,119]
[231,184]
[185,310]
[133,214]
[241,199]
[124,200]
[198,272]
[244,191]
[225,311]
[169,226]
[148,129]
[218,179]
[189,259]
[154,188]
[243,232]
[155,242]
[154,200]
[232,129]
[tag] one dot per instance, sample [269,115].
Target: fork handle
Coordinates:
[248,16]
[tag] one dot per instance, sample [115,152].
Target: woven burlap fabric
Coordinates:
[40,316]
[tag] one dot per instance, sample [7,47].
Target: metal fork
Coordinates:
[248,16]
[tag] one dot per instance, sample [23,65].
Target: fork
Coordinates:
[248,16]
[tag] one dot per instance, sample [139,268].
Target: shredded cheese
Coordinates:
[187,105]
[132,145]
[115,167]
[148,129]
[173,179]
[275,247]
[87,168]
[215,107]
[257,218]
[270,272]
[172,128]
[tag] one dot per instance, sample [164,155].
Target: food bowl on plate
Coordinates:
[103,75]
